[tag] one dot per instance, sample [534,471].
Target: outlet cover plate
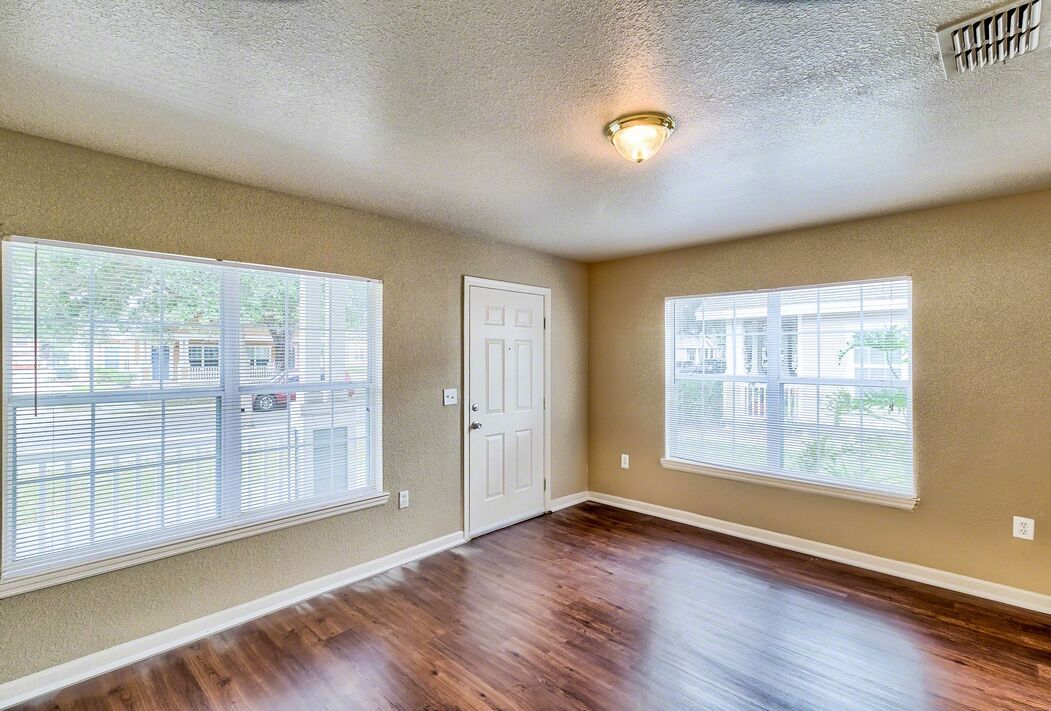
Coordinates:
[1024,528]
[449,397]
[403,499]
[625,461]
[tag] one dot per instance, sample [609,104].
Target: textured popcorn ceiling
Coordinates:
[487,116]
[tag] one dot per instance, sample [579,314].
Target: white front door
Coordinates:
[505,407]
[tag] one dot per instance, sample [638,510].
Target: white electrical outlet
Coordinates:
[624,462]
[1024,528]
[449,397]
[403,499]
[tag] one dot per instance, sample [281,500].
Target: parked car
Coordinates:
[265,402]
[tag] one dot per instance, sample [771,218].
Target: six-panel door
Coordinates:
[506,389]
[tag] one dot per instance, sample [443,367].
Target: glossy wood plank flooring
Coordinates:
[598,608]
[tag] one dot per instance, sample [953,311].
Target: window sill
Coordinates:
[16,585]
[898,501]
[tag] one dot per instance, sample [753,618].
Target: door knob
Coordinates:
[476,425]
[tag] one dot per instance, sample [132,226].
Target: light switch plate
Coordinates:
[625,461]
[449,397]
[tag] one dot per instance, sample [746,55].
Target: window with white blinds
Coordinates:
[810,385]
[150,400]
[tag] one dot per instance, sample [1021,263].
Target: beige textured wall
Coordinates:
[982,294]
[54,190]
[982,342]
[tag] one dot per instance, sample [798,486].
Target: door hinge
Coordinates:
[545,323]
[545,484]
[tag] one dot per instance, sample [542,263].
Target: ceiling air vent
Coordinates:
[1003,33]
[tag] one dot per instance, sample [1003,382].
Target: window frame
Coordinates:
[783,480]
[184,539]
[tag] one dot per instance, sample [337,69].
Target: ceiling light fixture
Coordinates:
[639,136]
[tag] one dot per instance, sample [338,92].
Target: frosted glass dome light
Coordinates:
[639,136]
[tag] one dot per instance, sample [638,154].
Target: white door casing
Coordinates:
[507,435]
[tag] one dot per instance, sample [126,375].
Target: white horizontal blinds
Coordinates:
[168,398]
[853,414]
[811,384]
[104,421]
[305,387]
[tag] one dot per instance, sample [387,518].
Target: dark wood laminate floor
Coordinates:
[598,608]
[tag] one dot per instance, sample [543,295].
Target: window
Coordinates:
[258,356]
[203,356]
[160,362]
[806,387]
[112,357]
[187,442]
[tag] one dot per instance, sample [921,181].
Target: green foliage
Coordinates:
[702,396]
[129,297]
[114,376]
[886,460]
[137,291]
[686,316]
[883,403]
[828,456]
[887,340]
[263,298]
[840,457]
[687,319]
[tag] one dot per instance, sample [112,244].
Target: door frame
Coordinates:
[465,403]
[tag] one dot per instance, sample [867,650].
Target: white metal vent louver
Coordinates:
[1003,33]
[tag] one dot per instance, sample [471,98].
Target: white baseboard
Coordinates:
[910,571]
[77,670]
[563,502]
